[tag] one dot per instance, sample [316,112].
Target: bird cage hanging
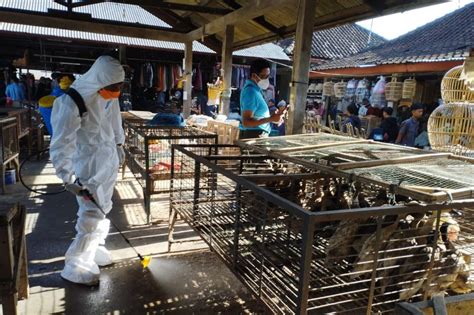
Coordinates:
[340,89]
[328,89]
[454,89]
[451,128]
[393,90]
[319,88]
[409,89]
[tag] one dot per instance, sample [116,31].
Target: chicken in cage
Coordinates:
[314,238]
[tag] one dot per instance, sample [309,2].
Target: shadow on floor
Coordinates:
[186,283]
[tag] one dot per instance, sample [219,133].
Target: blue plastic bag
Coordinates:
[167,119]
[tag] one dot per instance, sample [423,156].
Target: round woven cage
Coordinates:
[340,89]
[453,89]
[393,91]
[451,128]
[328,89]
[409,88]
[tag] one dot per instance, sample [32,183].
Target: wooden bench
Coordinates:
[13,260]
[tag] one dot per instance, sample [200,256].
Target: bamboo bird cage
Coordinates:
[328,89]
[409,88]
[393,90]
[453,89]
[340,89]
[451,128]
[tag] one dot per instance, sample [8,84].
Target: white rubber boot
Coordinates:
[80,273]
[103,257]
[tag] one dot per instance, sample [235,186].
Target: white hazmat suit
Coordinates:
[86,148]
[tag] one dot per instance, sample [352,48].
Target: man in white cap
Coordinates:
[86,151]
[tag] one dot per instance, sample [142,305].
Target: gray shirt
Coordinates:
[409,131]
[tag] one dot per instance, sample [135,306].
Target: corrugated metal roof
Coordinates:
[123,13]
[132,41]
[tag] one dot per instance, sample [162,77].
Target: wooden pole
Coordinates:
[301,63]
[123,54]
[227,69]
[188,75]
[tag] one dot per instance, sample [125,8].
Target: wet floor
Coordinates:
[188,280]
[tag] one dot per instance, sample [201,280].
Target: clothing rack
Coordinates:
[160,61]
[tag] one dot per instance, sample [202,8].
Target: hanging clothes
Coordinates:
[169,77]
[148,77]
[197,78]
[156,72]
[162,78]
[142,76]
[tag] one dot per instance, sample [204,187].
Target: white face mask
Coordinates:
[263,84]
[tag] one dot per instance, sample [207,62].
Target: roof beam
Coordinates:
[259,20]
[376,5]
[410,68]
[258,8]
[92,25]
[184,25]
[156,4]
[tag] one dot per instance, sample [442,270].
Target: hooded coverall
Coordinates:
[86,148]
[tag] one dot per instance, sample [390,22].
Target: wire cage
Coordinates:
[9,148]
[148,153]
[307,241]
[451,128]
[328,89]
[393,90]
[23,118]
[8,139]
[409,88]
[340,89]
[426,176]
[453,89]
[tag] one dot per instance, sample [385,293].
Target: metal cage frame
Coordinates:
[272,244]
[142,171]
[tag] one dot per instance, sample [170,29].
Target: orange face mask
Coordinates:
[109,95]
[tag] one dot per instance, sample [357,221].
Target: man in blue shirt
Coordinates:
[409,128]
[14,91]
[256,117]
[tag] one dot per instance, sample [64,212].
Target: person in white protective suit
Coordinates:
[86,153]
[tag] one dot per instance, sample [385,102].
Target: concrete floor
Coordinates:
[188,280]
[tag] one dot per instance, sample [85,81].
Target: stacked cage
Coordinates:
[148,153]
[324,228]
[8,139]
[451,125]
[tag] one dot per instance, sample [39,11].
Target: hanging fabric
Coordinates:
[169,77]
[148,75]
